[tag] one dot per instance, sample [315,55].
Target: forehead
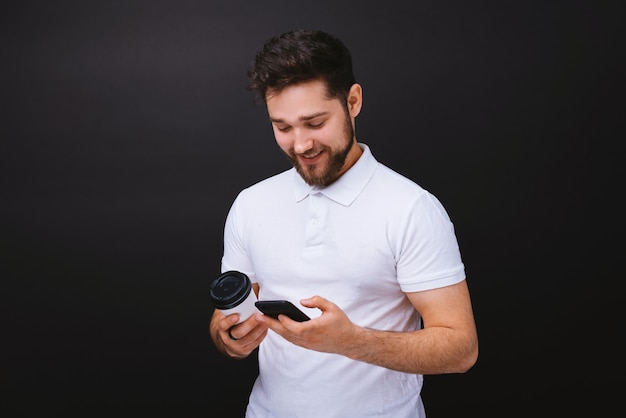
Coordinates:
[299,100]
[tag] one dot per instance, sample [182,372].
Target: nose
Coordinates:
[302,141]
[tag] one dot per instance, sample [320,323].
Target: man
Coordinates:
[368,254]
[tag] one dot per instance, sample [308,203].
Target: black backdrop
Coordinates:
[127,131]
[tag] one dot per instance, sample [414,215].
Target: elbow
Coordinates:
[469,359]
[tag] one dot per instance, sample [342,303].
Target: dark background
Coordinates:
[127,131]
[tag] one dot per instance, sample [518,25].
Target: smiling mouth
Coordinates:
[310,158]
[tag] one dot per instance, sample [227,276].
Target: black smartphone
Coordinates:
[275,307]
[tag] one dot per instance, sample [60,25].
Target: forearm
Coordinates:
[434,350]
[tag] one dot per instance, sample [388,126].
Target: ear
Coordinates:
[355,100]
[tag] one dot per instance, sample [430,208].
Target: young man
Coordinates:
[369,255]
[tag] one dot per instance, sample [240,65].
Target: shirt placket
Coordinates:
[316,220]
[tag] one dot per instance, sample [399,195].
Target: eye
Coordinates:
[316,125]
[282,128]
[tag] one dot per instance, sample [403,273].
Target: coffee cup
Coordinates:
[232,293]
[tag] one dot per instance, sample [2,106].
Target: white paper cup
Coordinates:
[232,293]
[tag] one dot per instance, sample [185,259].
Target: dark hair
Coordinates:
[302,55]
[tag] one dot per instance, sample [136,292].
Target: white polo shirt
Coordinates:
[361,242]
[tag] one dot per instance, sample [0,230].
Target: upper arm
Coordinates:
[448,307]
[449,324]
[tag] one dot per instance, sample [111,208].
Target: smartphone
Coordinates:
[275,307]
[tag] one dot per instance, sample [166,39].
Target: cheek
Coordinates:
[282,140]
[334,134]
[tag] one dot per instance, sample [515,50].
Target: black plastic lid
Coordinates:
[230,289]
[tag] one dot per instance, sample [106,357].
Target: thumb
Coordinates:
[316,302]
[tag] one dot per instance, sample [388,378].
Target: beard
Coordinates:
[314,175]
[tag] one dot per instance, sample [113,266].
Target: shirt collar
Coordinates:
[346,188]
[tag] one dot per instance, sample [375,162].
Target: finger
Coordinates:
[229,321]
[271,323]
[230,334]
[251,327]
[266,319]
[316,302]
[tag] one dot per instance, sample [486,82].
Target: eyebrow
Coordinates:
[301,118]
